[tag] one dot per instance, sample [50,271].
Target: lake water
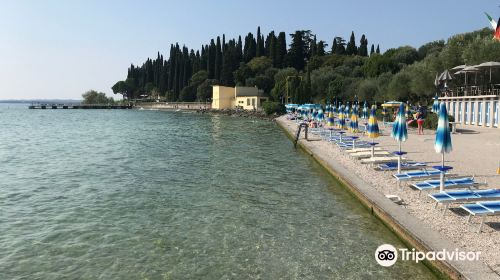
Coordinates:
[129,194]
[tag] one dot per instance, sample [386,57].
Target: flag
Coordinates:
[492,21]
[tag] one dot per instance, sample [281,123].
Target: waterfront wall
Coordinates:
[174,105]
[411,230]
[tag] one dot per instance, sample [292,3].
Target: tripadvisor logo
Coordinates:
[387,255]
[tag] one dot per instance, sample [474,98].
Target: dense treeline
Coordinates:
[187,75]
[307,69]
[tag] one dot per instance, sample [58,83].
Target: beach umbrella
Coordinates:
[365,111]
[400,132]
[353,125]
[321,116]
[372,131]
[347,111]
[435,105]
[341,118]
[330,120]
[442,144]
[490,65]
[458,68]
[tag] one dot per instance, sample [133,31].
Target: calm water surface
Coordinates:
[128,194]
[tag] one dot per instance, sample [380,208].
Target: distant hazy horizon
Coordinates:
[59,50]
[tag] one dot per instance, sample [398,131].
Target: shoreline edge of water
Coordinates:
[408,228]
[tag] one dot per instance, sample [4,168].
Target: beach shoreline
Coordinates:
[416,222]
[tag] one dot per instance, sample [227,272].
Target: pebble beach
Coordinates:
[476,152]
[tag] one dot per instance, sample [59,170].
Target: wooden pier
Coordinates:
[79,106]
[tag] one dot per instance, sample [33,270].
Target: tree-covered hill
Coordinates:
[307,68]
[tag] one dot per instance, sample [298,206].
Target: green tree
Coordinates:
[259,65]
[121,87]
[351,48]
[334,89]
[280,82]
[204,90]
[242,74]
[94,97]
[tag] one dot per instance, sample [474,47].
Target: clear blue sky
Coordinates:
[60,49]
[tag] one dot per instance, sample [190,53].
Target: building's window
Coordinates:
[479,113]
[495,114]
[472,113]
[262,101]
[248,101]
[487,108]
[466,112]
[460,111]
[253,102]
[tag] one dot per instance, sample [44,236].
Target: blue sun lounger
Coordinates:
[391,166]
[415,175]
[483,209]
[467,182]
[448,198]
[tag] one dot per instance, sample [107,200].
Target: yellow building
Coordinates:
[247,98]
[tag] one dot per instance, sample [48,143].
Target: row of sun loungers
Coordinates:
[486,202]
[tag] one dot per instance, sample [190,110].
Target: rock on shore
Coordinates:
[250,114]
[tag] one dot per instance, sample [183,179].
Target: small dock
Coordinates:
[79,106]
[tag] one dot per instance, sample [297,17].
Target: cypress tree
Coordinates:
[297,53]
[351,45]
[334,45]
[211,60]
[372,50]
[363,47]
[320,48]
[272,50]
[218,60]
[281,51]
[259,50]
[340,48]
[378,49]
[250,47]
[239,49]
[223,42]
[313,47]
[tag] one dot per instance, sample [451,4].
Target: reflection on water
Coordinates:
[123,194]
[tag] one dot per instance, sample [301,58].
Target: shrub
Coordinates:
[431,121]
[273,107]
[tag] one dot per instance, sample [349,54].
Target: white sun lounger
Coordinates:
[369,154]
[379,160]
[415,175]
[357,150]
[391,166]
[483,209]
[448,198]
[467,182]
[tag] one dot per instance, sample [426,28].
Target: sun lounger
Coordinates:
[347,146]
[414,175]
[357,150]
[483,209]
[448,198]
[457,183]
[391,166]
[361,155]
[375,160]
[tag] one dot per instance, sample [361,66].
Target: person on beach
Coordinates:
[420,120]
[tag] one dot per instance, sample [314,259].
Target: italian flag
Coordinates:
[492,21]
[495,26]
